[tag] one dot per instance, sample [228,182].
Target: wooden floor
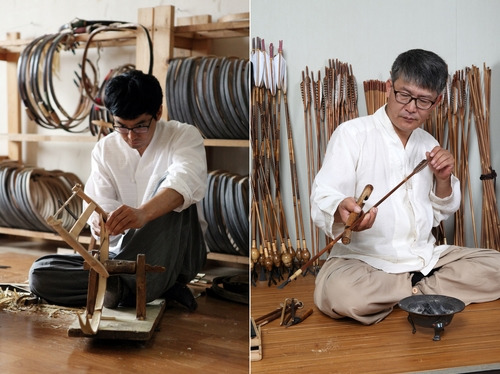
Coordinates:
[471,343]
[214,339]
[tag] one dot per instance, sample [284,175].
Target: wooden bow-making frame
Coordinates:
[99,264]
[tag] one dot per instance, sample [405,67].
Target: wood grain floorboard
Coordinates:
[322,345]
[214,339]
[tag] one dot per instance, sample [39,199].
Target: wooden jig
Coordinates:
[99,265]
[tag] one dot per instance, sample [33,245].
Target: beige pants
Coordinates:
[352,288]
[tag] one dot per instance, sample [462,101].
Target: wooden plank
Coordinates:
[195,47]
[104,38]
[215,29]
[255,342]
[84,239]
[13,105]
[226,143]
[48,138]
[228,258]
[121,323]
[115,38]
[92,139]
[163,42]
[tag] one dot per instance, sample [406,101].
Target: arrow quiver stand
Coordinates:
[99,264]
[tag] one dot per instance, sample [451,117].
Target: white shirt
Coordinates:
[367,150]
[175,159]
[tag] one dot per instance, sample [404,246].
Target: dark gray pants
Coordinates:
[174,241]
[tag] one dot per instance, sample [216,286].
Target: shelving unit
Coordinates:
[192,36]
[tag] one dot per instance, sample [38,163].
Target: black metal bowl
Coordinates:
[435,311]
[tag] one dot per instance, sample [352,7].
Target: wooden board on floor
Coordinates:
[121,323]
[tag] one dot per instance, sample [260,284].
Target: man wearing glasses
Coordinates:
[393,253]
[148,175]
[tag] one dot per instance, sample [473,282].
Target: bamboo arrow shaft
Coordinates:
[418,168]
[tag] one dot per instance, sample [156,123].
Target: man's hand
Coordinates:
[349,205]
[96,224]
[124,218]
[441,163]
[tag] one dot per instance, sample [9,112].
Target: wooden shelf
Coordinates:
[48,138]
[182,36]
[214,30]
[226,143]
[92,139]
[186,35]
[222,257]
[116,38]
[84,239]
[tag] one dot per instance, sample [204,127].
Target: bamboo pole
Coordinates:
[480,100]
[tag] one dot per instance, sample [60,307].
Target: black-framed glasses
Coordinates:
[406,98]
[140,129]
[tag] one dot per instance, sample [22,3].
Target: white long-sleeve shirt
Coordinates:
[367,150]
[175,159]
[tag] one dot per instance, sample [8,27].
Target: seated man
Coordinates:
[393,254]
[148,175]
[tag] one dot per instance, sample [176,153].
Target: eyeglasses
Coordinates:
[141,129]
[406,98]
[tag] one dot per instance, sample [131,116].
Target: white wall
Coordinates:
[369,34]
[33,18]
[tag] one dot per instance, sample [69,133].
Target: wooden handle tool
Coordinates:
[346,238]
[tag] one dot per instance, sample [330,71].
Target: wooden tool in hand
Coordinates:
[421,165]
[346,237]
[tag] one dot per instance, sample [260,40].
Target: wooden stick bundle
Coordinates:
[480,93]
[268,212]
[375,95]
[334,100]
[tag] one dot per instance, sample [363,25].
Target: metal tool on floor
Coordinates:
[295,320]
[276,313]
[291,318]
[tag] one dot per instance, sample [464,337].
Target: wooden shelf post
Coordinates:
[13,102]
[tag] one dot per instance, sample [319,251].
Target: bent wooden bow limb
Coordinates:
[71,237]
[89,322]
